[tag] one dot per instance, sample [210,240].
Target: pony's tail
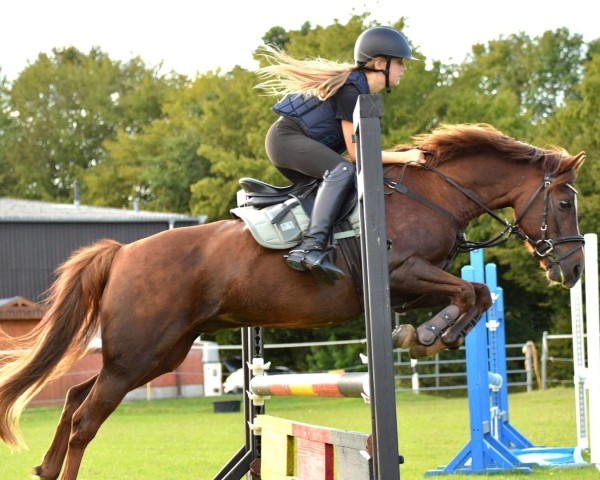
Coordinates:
[59,340]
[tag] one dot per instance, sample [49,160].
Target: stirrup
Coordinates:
[317,262]
[295,259]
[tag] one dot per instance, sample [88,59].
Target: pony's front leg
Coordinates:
[455,334]
[467,301]
[51,466]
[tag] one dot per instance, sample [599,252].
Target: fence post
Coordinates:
[529,366]
[544,359]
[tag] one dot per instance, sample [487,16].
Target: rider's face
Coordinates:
[397,69]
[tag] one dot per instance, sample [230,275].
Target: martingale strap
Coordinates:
[404,190]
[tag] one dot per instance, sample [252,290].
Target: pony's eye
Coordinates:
[565,205]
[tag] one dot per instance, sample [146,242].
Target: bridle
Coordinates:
[542,248]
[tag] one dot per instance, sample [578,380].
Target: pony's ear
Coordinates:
[579,159]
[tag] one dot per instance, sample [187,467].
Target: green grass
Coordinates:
[184,439]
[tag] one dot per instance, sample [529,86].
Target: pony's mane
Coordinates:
[449,141]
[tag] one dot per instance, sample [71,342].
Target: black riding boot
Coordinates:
[312,254]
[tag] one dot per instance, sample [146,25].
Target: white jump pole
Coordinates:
[593,343]
[579,370]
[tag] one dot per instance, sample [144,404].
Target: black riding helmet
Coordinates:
[381,42]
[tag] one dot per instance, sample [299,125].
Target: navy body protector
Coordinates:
[317,117]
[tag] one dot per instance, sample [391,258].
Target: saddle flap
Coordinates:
[277,227]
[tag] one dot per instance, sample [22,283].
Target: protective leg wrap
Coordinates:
[461,327]
[430,331]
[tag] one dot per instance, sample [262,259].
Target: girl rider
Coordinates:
[315,128]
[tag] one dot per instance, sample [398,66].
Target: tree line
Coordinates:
[129,132]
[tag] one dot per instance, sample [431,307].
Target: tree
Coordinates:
[7,133]
[231,105]
[158,164]
[575,128]
[65,106]
[178,145]
[234,121]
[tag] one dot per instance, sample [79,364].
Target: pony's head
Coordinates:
[549,221]
[545,202]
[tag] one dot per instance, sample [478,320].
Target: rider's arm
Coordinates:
[414,155]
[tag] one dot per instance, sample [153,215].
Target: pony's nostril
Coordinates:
[577,271]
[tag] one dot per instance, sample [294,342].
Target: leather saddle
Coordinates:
[258,194]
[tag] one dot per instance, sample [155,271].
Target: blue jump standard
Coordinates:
[495,445]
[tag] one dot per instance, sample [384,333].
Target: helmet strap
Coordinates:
[386,72]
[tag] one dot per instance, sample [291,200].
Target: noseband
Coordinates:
[542,248]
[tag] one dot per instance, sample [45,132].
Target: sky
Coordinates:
[195,36]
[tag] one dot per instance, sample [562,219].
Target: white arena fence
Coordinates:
[444,371]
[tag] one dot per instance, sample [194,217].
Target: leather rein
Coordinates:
[542,248]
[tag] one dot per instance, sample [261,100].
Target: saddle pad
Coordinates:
[274,235]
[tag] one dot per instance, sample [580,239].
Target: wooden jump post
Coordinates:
[298,450]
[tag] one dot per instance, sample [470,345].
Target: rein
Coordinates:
[542,248]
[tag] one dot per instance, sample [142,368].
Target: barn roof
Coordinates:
[19,210]
[19,308]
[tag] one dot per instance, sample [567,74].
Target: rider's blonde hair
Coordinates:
[285,75]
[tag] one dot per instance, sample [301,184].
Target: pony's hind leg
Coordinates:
[104,397]
[51,466]
[125,369]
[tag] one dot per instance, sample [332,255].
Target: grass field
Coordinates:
[184,439]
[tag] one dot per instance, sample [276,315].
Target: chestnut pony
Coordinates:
[152,298]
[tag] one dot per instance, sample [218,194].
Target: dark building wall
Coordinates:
[30,252]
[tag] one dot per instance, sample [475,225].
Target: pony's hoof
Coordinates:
[404,336]
[452,339]
[420,351]
[37,471]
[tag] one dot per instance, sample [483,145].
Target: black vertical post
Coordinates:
[239,465]
[378,316]
[253,343]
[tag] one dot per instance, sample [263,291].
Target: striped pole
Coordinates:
[354,385]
